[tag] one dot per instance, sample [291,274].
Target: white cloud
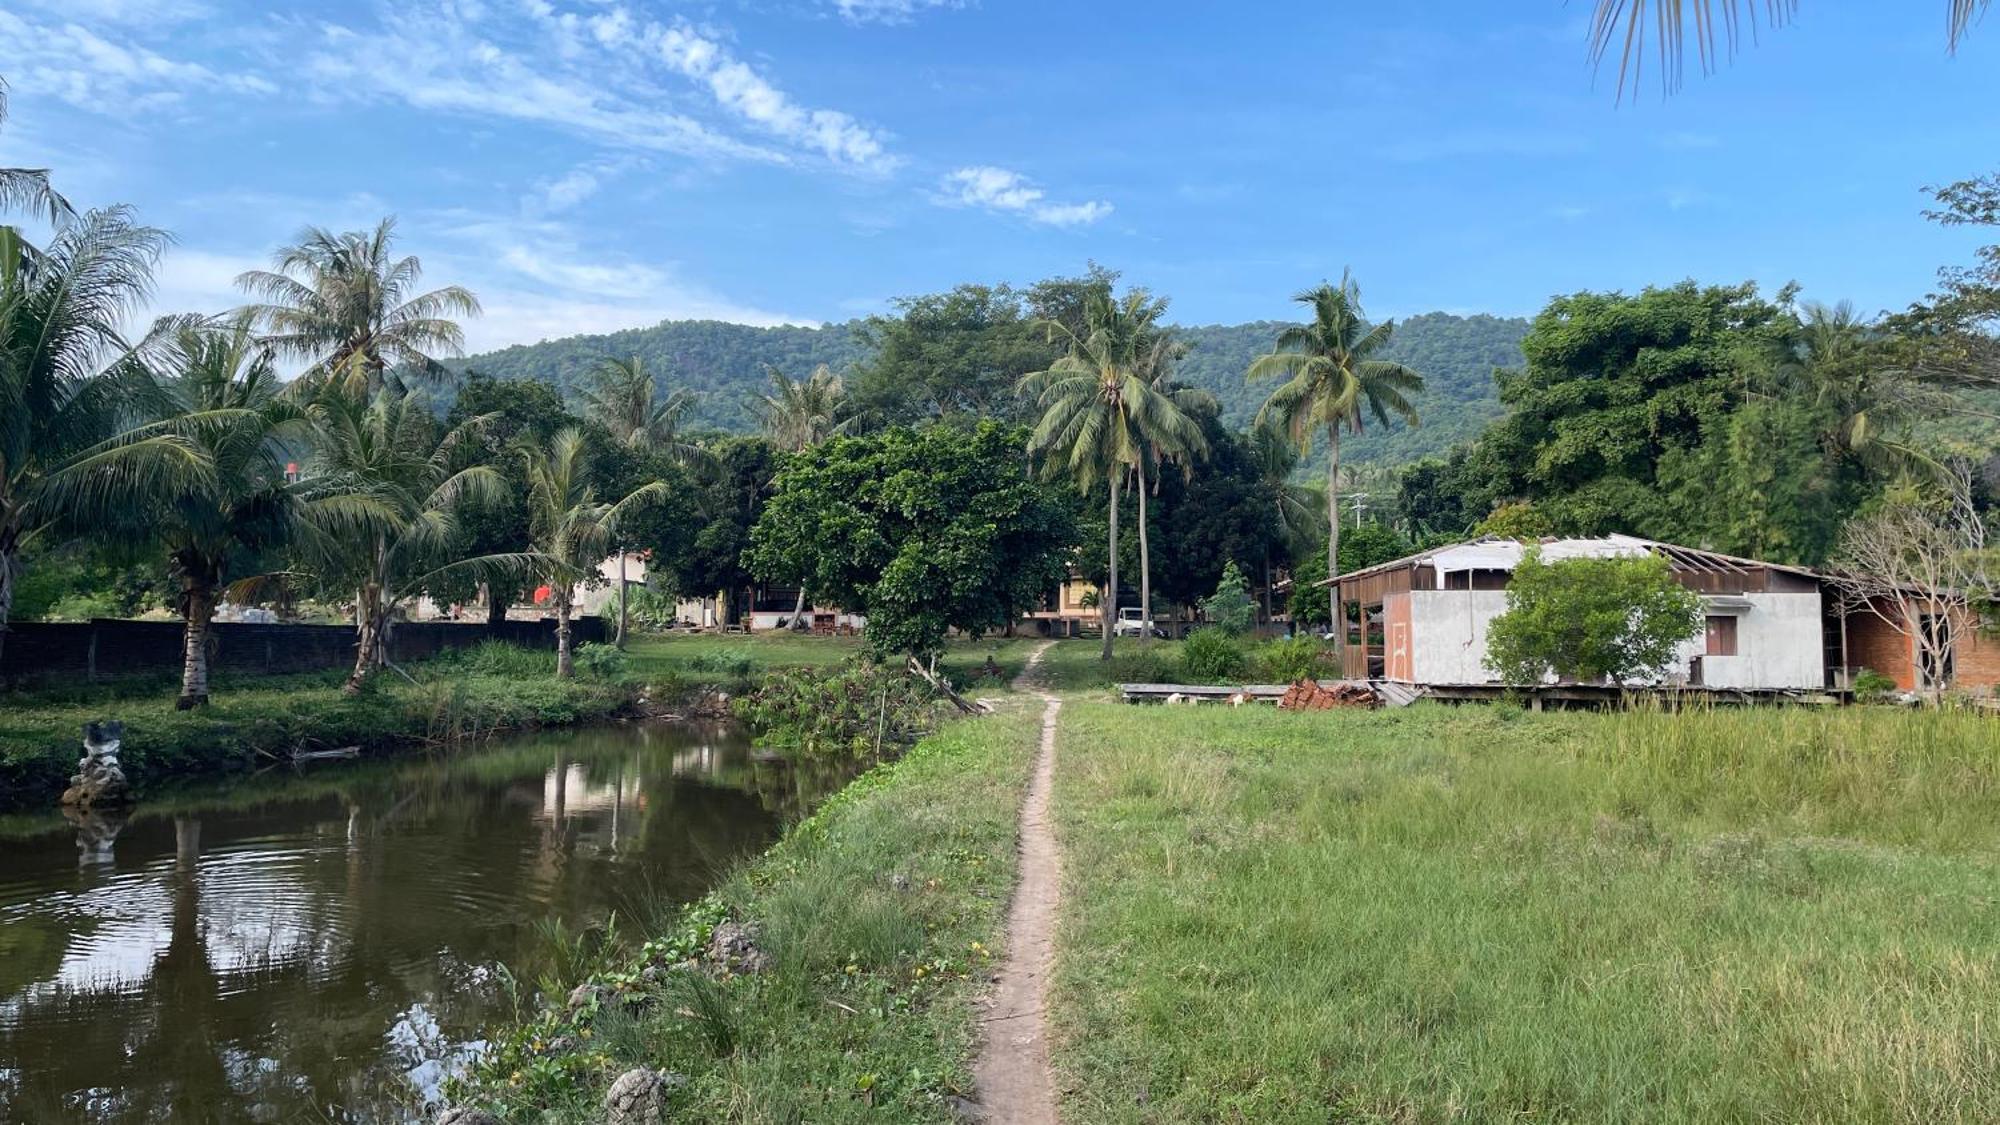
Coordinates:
[887,11]
[997,189]
[575,186]
[88,70]
[747,94]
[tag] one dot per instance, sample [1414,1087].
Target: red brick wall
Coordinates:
[1977,661]
[1873,643]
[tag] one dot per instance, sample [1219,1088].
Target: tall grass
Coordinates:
[1478,914]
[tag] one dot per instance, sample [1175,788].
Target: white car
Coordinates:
[1132,622]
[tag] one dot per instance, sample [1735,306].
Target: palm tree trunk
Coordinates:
[798,608]
[1107,602]
[620,639]
[565,667]
[1336,619]
[7,566]
[368,637]
[197,610]
[1145,570]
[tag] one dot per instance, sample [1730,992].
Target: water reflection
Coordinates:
[326,946]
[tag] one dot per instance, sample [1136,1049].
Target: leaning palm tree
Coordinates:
[27,190]
[396,525]
[572,529]
[798,414]
[214,386]
[1098,412]
[344,305]
[1622,23]
[1330,373]
[62,460]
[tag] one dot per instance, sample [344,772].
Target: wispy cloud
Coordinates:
[887,11]
[93,71]
[997,189]
[750,96]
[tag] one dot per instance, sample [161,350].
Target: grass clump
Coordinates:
[880,913]
[1478,914]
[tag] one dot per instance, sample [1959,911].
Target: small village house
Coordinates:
[1766,626]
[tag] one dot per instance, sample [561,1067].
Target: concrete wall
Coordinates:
[1777,641]
[107,649]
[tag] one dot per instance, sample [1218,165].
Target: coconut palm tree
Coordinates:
[1182,445]
[623,396]
[1675,22]
[798,414]
[1299,510]
[397,528]
[27,190]
[1098,412]
[347,307]
[213,385]
[572,529]
[1330,373]
[61,459]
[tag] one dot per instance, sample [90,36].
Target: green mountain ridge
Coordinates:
[725,363]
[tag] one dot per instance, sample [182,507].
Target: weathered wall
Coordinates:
[1875,644]
[1777,643]
[1448,635]
[110,649]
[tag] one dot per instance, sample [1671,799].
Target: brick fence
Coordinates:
[107,648]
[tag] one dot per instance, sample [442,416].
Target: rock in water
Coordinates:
[99,780]
[639,1097]
[734,947]
[466,1115]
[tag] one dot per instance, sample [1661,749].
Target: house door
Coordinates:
[1399,651]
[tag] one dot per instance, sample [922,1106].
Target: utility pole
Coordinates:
[1360,505]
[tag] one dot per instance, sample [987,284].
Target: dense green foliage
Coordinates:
[1230,609]
[852,711]
[1590,620]
[1212,656]
[962,351]
[921,530]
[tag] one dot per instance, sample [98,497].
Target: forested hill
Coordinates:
[724,363]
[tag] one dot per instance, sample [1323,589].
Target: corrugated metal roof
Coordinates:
[1496,553]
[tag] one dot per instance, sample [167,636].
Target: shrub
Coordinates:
[498,658]
[601,662]
[1590,620]
[844,711]
[738,663]
[1211,656]
[1290,659]
[1871,686]
[1230,609]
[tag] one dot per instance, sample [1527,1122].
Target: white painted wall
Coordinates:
[1777,640]
[1778,645]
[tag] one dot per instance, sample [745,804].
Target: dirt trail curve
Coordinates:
[1012,1071]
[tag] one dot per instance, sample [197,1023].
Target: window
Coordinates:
[1721,635]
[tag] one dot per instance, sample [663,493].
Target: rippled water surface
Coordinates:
[325,946]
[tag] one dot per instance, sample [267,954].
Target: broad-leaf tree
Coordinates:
[921,530]
[1101,408]
[60,310]
[571,527]
[1591,620]
[1331,369]
[348,307]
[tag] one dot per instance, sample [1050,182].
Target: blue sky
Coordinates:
[592,164]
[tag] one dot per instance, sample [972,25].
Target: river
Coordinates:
[326,944]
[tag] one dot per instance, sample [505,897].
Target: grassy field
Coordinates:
[488,689]
[879,912]
[1482,915]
